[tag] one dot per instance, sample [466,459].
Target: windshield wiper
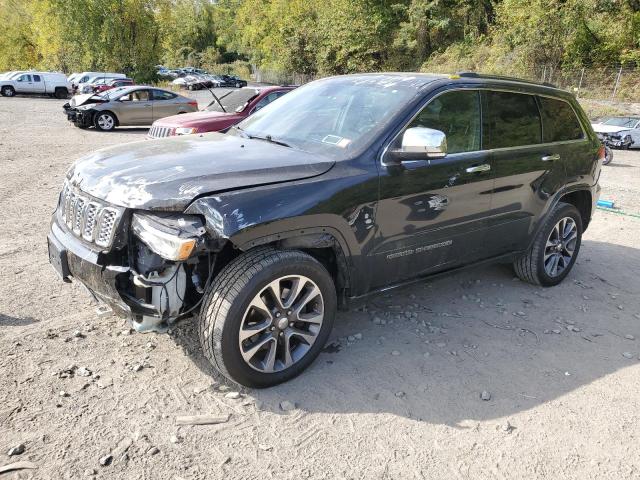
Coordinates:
[266,138]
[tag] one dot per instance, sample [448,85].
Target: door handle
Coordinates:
[485,167]
[551,158]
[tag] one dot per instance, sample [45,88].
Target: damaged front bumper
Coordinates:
[80,118]
[107,283]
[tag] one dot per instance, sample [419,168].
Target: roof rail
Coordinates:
[502,77]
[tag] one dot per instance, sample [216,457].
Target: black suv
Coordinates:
[345,186]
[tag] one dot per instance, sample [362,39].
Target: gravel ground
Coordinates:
[403,400]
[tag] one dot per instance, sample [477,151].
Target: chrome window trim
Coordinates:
[501,149]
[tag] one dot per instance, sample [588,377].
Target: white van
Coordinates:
[44,83]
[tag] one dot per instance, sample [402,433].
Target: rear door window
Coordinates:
[36,78]
[457,115]
[559,121]
[162,95]
[511,120]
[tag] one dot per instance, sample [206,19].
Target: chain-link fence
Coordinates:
[606,83]
[617,83]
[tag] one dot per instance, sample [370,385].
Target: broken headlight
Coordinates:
[173,237]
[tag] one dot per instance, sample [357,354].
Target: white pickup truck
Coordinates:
[43,83]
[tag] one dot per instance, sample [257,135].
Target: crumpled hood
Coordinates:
[168,174]
[602,128]
[78,100]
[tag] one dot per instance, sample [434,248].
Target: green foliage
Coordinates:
[319,37]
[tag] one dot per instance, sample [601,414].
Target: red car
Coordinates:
[116,82]
[233,107]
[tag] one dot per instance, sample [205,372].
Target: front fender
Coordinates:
[340,206]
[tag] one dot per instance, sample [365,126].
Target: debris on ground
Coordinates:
[202,419]
[287,406]
[16,450]
[12,467]
[486,396]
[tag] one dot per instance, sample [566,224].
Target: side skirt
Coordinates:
[509,257]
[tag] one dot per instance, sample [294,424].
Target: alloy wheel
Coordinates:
[281,323]
[106,122]
[560,246]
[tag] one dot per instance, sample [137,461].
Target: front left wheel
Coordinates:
[267,316]
[105,121]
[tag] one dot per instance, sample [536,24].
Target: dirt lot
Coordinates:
[401,402]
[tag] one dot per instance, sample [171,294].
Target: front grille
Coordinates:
[160,132]
[88,219]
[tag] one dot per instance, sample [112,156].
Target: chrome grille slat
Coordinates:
[159,132]
[88,219]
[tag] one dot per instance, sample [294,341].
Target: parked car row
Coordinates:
[178,72]
[200,81]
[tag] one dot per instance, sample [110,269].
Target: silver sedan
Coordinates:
[126,106]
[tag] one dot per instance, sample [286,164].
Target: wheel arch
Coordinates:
[583,201]
[324,243]
[580,196]
[7,85]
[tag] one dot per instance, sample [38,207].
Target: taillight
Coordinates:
[601,153]
[193,103]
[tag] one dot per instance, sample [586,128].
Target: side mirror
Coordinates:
[420,143]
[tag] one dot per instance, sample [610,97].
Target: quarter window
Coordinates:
[512,120]
[559,121]
[457,115]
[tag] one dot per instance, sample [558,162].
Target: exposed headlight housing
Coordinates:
[173,237]
[185,131]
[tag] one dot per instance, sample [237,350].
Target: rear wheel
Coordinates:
[105,121]
[555,248]
[267,316]
[7,91]
[61,93]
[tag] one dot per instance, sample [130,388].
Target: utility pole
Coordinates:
[580,83]
[615,87]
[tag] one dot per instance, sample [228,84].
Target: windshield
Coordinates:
[235,101]
[112,93]
[335,116]
[627,122]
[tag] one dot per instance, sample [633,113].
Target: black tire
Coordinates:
[7,91]
[229,296]
[104,127]
[608,156]
[61,93]
[530,267]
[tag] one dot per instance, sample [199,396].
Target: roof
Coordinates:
[419,80]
